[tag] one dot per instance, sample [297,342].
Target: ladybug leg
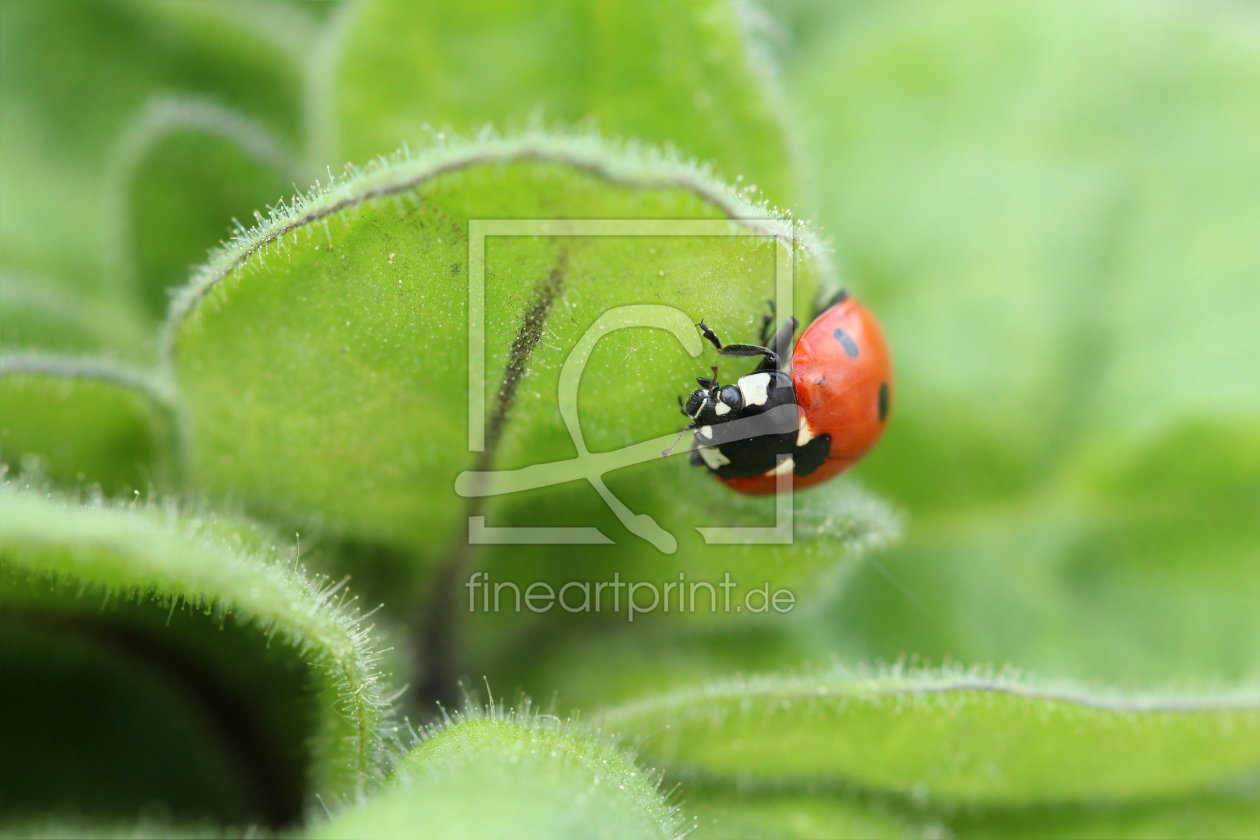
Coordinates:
[781,344]
[767,320]
[737,350]
[710,335]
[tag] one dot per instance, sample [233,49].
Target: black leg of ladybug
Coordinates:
[783,339]
[767,321]
[737,350]
[710,335]
[781,344]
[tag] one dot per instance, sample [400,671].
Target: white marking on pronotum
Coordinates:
[754,387]
[785,466]
[804,434]
[713,457]
[705,432]
[721,408]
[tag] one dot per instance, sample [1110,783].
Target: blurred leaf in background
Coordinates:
[689,80]
[74,74]
[1053,207]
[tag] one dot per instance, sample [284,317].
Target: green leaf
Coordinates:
[1227,816]
[653,71]
[513,777]
[323,356]
[184,170]
[722,814]
[80,696]
[577,672]
[706,610]
[1050,221]
[731,815]
[37,313]
[71,828]
[742,585]
[939,736]
[64,110]
[223,682]
[81,422]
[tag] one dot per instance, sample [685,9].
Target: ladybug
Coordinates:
[815,410]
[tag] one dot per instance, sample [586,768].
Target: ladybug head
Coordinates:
[740,450]
[713,403]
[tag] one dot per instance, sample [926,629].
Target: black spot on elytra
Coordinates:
[883,402]
[810,457]
[847,342]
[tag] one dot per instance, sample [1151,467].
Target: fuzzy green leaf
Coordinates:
[653,71]
[185,169]
[323,357]
[80,422]
[257,687]
[722,814]
[515,778]
[942,737]
[1229,816]
[63,116]
[152,828]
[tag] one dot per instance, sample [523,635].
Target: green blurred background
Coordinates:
[1053,207]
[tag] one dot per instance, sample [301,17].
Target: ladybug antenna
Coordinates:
[665,452]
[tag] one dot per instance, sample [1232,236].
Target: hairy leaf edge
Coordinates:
[163,117]
[627,164]
[148,383]
[899,680]
[527,716]
[351,668]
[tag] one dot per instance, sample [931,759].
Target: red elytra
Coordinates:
[842,376]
